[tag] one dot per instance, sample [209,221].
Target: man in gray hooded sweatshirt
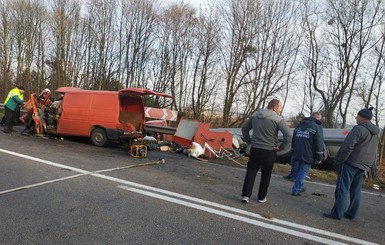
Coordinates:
[265,124]
[357,154]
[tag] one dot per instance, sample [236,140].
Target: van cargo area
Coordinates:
[131,113]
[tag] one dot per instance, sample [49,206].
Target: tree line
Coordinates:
[220,61]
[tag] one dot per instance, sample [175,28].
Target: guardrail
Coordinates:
[159,129]
[2,108]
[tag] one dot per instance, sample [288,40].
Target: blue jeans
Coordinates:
[293,169]
[349,182]
[301,170]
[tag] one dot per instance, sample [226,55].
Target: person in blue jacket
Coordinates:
[357,154]
[307,149]
[10,105]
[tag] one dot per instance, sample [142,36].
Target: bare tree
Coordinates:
[276,50]
[339,35]
[27,18]
[239,29]
[370,90]
[136,38]
[204,84]
[176,43]
[6,47]
[229,59]
[39,75]
[355,31]
[261,49]
[315,64]
[101,35]
[65,57]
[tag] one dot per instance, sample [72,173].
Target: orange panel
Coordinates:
[214,139]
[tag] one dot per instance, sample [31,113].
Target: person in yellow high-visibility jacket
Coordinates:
[6,100]
[14,98]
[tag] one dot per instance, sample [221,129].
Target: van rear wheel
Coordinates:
[99,137]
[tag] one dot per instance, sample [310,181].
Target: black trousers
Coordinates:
[259,158]
[9,119]
[16,115]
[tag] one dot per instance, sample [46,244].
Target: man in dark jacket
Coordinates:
[265,124]
[307,149]
[357,154]
[291,177]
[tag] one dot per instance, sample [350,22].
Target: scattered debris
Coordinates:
[269,215]
[319,195]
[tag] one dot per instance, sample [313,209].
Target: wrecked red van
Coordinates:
[100,115]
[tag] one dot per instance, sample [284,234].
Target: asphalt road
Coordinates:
[70,192]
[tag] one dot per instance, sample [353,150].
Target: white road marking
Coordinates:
[40,184]
[201,201]
[75,176]
[233,216]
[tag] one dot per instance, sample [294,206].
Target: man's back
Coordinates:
[364,139]
[307,143]
[265,124]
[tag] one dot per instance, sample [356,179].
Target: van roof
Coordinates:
[142,91]
[133,91]
[67,89]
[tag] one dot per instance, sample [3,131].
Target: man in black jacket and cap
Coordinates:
[357,154]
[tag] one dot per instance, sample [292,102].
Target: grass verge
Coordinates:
[327,176]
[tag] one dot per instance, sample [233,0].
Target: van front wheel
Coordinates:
[99,137]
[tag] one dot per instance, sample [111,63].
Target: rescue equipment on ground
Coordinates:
[138,150]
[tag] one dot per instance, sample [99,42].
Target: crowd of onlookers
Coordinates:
[356,155]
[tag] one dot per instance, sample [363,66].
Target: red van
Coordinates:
[99,115]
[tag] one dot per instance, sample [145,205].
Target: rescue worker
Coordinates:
[52,114]
[46,93]
[44,102]
[44,98]
[14,98]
